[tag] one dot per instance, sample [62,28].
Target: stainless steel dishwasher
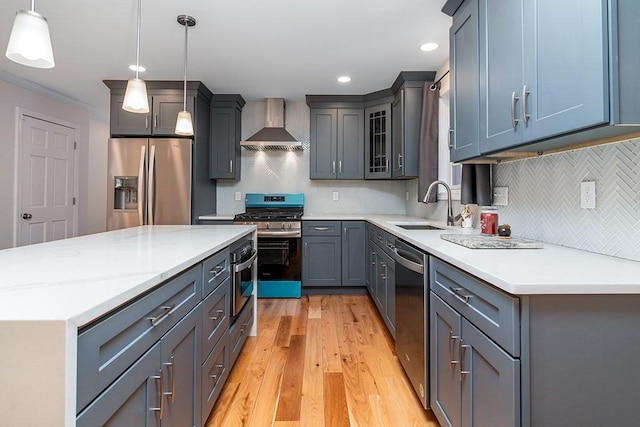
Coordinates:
[412,316]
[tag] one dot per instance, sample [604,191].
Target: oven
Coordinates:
[242,257]
[278,218]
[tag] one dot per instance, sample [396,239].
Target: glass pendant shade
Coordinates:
[184,125]
[30,41]
[135,97]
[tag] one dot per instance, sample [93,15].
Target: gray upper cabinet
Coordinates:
[377,138]
[406,115]
[539,82]
[337,143]
[226,128]
[550,75]
[465,94]
[165,101]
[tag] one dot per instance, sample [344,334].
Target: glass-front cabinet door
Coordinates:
[377,139]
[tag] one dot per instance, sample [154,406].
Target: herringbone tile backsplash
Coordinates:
[544,198]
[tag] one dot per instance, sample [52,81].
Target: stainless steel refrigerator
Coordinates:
[150,182]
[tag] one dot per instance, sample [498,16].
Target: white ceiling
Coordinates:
[258,48]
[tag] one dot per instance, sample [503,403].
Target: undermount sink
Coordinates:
[418,227]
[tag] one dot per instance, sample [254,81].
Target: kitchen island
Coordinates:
[51,291]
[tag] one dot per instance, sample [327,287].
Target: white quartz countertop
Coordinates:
[79,279]
[551,270]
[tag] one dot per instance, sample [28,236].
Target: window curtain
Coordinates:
[428,152]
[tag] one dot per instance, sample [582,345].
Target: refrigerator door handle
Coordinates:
[151,195]
[141,198]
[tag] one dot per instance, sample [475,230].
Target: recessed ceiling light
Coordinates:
[428,47]
[344,79]
[141,69]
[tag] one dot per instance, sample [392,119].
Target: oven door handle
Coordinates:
[243,266]
[279,233]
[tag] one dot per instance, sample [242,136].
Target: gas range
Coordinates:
[273,214]
[278,218]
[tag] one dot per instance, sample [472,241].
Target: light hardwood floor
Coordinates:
[319,361]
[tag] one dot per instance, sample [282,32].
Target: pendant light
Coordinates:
[30,41]
[135,97]
[184,124]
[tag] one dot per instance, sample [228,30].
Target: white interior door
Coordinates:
[46,187]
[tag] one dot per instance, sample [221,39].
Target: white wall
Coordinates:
[91,136]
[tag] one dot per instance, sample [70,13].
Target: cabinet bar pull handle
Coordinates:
[217,270]
[167,309]
[452,343]
[400,161]
[161,408]
[306,249]
[344,234]
[449,138]
[333,167]
[321,228]
[387,168]
[173,380]
[340,167]
[457,292]
[525,93]
[146,121]
[461,351]
[514,121]
[155,121]
[230,166]
[218,312]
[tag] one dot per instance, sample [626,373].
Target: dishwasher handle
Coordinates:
[409,261]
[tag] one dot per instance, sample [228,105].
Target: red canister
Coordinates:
[489,221]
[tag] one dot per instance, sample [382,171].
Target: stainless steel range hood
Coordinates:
[273,136]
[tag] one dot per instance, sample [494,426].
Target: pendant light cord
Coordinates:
[138,38]
[186,35]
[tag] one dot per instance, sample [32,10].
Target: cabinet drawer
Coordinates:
[109,347]
[215,371]
[215,270]
[494,312]
[321,228]
[215,316]
[239,330]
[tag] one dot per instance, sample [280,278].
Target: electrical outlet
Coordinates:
[500,196]
[336,196]
[238,195]
[588,195]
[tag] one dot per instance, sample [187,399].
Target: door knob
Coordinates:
[27,216]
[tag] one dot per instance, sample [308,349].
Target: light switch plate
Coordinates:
[588,195]
[238,195]
[500,196]
[336,196]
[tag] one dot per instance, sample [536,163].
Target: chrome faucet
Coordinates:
[450,219]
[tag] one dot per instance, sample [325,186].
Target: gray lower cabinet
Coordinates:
[333,253]
[353,256]
[381,275]
[226,128]
[130,400]
[215,222]
[322,261]
[475,381]
[162,359]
